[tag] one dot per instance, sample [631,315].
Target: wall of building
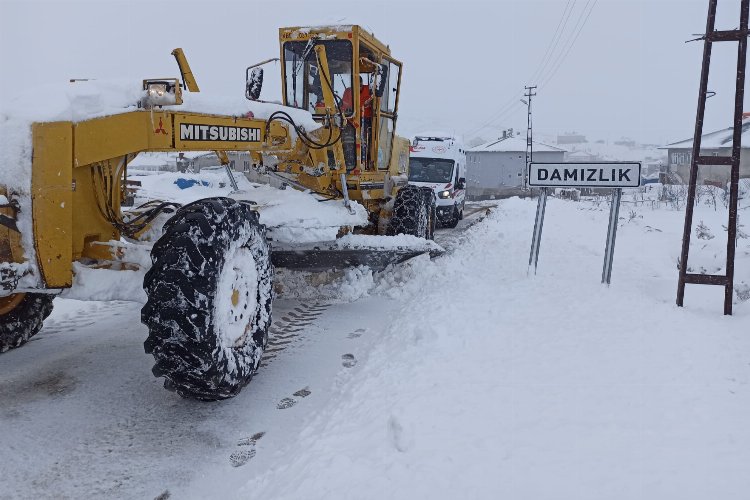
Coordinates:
[239,161]
[679,163]
[500,174]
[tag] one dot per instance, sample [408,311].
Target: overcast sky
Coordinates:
[629,72]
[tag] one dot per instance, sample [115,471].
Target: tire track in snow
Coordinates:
[288,329]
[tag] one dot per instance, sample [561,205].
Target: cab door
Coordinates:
[387,112]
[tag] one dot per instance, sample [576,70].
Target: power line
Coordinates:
[502,112]
[572,44]
[555,38]
[508,106]
[552,59]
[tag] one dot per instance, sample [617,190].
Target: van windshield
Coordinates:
[430,170]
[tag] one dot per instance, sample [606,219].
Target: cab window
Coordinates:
[303,80]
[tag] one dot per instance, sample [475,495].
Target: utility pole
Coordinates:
[733,162]
[530,92]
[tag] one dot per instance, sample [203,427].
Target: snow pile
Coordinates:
[106,284]
[342,286]
[290,215]
[492,383]
[400,241]
[119,281]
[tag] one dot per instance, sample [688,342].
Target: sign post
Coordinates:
[536,239]
[616,175]
[609,249]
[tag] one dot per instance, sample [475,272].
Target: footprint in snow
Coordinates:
[302,393]
[348,360]
[356,333]
[242,456]
[286,403]
[252,440]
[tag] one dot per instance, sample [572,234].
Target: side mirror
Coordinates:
[254,84]
[382,80]
[461,183]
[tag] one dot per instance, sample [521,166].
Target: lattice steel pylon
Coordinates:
[712,35]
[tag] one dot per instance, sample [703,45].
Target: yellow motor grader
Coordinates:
[209,282]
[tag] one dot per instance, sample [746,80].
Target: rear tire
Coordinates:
[24,317]
[209,299]
[413,213]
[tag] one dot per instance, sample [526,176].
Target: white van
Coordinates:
[439,161]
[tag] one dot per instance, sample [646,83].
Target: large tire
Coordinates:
[209,299]
[23,318]
[411,214]
[431,202]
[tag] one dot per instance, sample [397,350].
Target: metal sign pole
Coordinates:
[536,239]
[232,180]
[609,250]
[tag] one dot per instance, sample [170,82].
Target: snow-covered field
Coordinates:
[459,377]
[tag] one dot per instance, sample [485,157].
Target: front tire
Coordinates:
[21,317]
[413,214]
[209,299]
[430,201]
[452,221]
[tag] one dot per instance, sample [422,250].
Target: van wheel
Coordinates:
[453,219]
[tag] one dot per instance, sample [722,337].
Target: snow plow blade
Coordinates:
[339,255]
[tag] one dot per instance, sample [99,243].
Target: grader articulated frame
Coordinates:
[209,285]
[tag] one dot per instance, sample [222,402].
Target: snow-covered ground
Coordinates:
[458,377]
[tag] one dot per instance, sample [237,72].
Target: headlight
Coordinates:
[157,90]
[444,194]
[161,93]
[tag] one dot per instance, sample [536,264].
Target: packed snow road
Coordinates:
[461,377]
[84,417]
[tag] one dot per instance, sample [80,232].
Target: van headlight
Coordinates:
[444,194]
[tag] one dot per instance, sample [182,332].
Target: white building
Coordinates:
[496,168]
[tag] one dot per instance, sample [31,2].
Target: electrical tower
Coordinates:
[712,35]
[530,92]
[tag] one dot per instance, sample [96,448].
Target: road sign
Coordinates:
[589,174]
[616,174]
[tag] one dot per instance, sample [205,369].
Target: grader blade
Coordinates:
[317,257]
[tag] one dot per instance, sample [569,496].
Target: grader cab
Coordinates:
[209,280]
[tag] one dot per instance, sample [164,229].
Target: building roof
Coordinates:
[582,154]
[719,139]
[512,145]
